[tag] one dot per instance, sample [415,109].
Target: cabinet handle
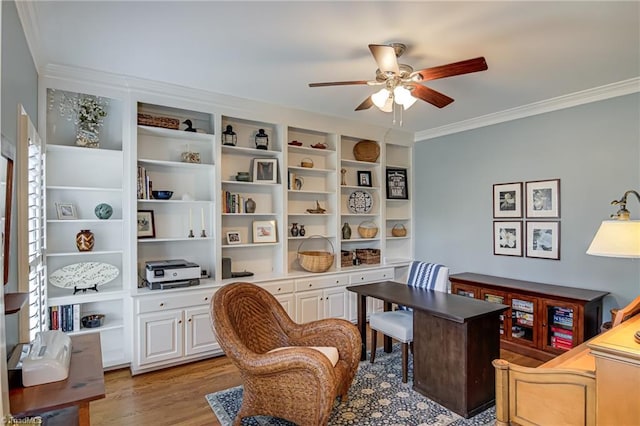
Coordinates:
[361,278]
[279,289]
[161,304]
[179,321]
[206,298]
[189,319]
[310,284]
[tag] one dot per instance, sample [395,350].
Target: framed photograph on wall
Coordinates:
[543,240]
[543,198]
[397,185]
[364,178]
[233,237]
[264,231]
[146,224]
[66,211]
[265,170]
[507,200]
[507,238]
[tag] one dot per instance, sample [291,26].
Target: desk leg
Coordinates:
[362,324]
[83,414]
[387,339]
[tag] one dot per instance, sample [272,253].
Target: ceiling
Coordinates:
[270,51]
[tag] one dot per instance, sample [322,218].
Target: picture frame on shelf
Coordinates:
[543,239]
[397,184]
[507,238]
[146,224]
[543,198]
[265,170]
[66,211]
[364,178]
[507,200]
[233,237]
[264,231]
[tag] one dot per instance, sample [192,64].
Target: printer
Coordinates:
[48,358]
[175,273]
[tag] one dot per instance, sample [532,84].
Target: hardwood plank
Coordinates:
[176,395]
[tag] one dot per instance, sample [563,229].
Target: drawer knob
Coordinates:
[361,278]
[161,304]
[189,319]
[206,298]
[279,289]
[310,284]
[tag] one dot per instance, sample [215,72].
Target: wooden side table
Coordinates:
[84,384]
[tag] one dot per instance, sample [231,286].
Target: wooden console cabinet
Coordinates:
[543,320]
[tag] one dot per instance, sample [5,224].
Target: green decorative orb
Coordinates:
[103,211]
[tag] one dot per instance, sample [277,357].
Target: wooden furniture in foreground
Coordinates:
[595,383]
[543,320]
[455,339]
[282,376]
[84,384]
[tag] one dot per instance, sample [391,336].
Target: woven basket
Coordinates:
[306,162]
[346,258]
[398,230]
[315,261]
[368,256]
[165,122]
[366,151]
[368,229]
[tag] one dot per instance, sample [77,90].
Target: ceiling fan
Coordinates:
[401,83]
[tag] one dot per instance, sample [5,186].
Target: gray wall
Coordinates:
[19,86]
[595,151]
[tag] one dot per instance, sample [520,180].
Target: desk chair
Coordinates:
[398,324]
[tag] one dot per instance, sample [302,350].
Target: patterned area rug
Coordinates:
[377,397]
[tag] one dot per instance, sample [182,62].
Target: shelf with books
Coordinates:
[523,320]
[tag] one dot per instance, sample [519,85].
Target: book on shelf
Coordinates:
[493,298]
[143,184]
[522,305]
[559,343]
[64,317]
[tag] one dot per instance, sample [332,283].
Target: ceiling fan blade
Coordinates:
[385,57]
[456,68]
[366,104]
[338,83]
[429,95]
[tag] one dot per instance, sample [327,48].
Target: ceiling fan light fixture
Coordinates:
[403,97]
[383,99]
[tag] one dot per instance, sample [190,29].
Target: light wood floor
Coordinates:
[175,396]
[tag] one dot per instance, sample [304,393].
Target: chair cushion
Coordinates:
[396,324]
[329,351]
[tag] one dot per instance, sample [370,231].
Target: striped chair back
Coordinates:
[431,276]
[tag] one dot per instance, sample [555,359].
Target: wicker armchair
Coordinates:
[298,384]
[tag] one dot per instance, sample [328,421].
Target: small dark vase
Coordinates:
[302,231]
[294,230]
[250,206]
[85,240]
[346,231]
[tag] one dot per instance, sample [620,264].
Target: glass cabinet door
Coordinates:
[523,320]
[559,329]
[465,290]
[496,296]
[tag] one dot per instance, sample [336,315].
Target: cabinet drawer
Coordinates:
[321,282]
[278,287]
[372,276]
[173,301]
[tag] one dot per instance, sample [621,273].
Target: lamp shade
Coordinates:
[617,238]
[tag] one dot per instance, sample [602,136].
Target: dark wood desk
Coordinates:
[455,338]
[84,384]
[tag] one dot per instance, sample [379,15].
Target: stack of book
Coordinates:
[562,328]
[64,317]
[232,203]
[144,184]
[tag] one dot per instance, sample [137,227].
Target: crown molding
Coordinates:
[608,91]
[27,14]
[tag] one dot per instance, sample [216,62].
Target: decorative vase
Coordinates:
[86,138]
[250,206]
[85,240]
[294,230]
[346,231]
[302,231]
[103,211]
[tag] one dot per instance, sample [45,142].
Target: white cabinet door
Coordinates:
[335,303]
[288,303]
[199,335]
[161,336]
[309,306]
